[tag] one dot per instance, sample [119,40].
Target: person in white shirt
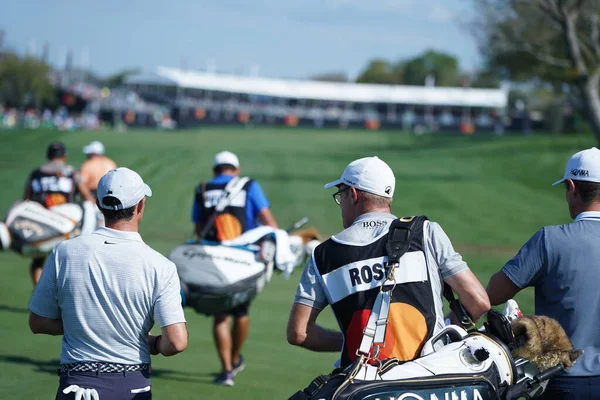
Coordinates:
[103,292]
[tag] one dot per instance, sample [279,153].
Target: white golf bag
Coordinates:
[32,230]
[216,278]
[454,365]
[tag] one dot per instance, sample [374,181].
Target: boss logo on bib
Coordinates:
[373,224]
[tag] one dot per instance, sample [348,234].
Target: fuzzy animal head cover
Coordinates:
[307,234]
[545,342]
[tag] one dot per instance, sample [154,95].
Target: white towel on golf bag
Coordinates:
[285,258]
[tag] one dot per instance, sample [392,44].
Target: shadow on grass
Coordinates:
[51,367]
[19,310]
[182,376]
[47,367]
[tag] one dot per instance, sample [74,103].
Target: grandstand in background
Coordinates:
[197,98]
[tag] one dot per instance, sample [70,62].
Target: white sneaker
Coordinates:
[512,310]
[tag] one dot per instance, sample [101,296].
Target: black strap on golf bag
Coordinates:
[399,236]
[459,310]
[334,380]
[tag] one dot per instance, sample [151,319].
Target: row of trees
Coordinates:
[550,42]
[432,67]
[552,45]
[25,81]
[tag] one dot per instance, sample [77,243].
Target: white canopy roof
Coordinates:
[327,91]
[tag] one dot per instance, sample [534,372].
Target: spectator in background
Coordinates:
[96,165]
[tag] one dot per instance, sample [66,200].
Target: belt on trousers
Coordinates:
[102,367]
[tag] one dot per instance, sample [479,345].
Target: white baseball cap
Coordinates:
[94,148]
[370,175]
[226,157]
[583,166]
[124,184]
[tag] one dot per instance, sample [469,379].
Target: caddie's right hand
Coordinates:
[82,393]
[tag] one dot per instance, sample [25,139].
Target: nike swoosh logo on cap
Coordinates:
[107,242]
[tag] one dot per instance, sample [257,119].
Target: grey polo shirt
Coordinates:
[442,261]
[562,263]
[108,287]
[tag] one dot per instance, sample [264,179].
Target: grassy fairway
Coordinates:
[489,194]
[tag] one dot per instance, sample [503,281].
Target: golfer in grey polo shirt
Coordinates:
[562,263]
[103,292]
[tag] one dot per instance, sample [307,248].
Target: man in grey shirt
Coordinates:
[562,263]
[347,272]
[103,291]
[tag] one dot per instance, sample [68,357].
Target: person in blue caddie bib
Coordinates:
[224,208]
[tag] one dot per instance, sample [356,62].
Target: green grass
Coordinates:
[490,194]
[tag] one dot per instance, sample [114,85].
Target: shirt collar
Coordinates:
[222,178]
[373,215]
[588,216]
[116,234]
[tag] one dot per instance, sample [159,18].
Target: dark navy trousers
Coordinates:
[572,387]
[113,386]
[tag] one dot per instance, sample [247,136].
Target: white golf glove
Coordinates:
[81,393]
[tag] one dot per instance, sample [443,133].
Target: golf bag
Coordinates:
[32,230]
[461,365]
[216,278]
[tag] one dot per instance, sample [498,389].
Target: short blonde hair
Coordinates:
[376,200]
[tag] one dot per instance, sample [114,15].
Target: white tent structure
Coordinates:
[325,91]
[271,100]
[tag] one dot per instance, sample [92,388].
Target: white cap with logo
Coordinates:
[123,184]
[583,166]
[226,157]
[95,147]
[370,175]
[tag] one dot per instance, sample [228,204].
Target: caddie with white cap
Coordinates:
[112,288]
[96,165]
[225,207]
[94,147]
[562,264]
[369,175]
[348,270]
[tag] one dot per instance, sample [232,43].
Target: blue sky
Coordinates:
[283,38]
